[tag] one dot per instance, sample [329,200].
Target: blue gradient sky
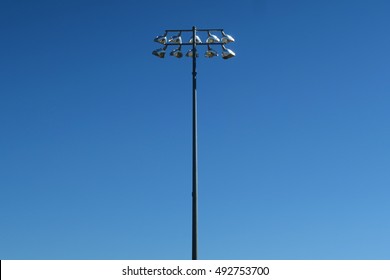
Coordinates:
[95,143]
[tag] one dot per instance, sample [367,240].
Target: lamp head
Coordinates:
[212,39]
[160,52]
[176,39]
[210,53]
[227,53]
[226,38]
[161,39]
[190,53]
[197,40]
[177,53]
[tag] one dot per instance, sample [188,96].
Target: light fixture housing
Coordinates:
[177,53]
[162,39]
[160,52]
[227,53]
[212,38]
[210,53]
[190,53]
[226,38]
[197,40]
[176,39]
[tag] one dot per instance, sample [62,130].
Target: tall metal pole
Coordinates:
[226,53]
[194,153]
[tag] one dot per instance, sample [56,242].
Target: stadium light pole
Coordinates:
[226,54]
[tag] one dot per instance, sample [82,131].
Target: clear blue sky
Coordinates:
[95,132]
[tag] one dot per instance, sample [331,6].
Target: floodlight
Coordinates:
[227,53]
[190,53]
[160,52]
[177,53]
[212,39]
[197,40]
[176,39]
[210,53]
[162,39]
[226,38]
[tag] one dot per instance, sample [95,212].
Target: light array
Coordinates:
[177,40]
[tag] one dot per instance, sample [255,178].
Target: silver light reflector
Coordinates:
[177,53]
[210,53]
[190,53]
[226,38]
[160,52]
[227,53]
[161,39]
[212,39]
[176,39]
[197,40]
